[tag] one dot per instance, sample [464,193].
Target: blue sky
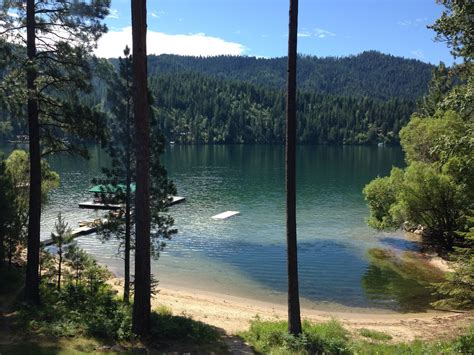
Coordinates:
[259,28]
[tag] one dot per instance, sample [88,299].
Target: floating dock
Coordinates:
[225,215]
[84,230]
[176,199]
[113,207]
[100,206]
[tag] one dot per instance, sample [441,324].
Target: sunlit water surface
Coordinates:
[245,255]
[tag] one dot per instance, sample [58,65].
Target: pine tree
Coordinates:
[59,34]
[294,319]
[141,306]
[61,238]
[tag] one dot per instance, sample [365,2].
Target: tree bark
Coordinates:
[2,249]
[59,270]
[34,216]
[126,288]
[294,319]
[141,306]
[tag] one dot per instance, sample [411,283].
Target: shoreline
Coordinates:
[233,314]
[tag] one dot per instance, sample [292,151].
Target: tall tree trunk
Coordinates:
[2,249]
[126,288]
[294,319]
[59,270]
[34,217]
[141,306]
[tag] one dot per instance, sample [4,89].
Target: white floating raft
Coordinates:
[225,215]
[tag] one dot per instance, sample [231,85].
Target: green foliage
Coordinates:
[331,338]
[362,99]
[369,74]
[456,27]
[7,200]
[14,198]
[74,311]
[434,200]
[61,67]
[273,338]
[196,109]
[458,289]
[87,306]
[435,190]
[381,195]
[437,187]
[421,137]
[374,334]
[463,344]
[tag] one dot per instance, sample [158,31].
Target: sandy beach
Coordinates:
[233,314]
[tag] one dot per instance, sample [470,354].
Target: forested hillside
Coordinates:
[363,99]
[198,109]
[370,73]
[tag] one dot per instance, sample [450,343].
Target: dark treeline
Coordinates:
[200,109]
[363,99]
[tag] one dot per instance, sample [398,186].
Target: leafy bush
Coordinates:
[76,311]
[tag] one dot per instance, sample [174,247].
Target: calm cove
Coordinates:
[245,254]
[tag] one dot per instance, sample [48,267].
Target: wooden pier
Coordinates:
[113,207]
[175,200]
[92,205]
[85,228]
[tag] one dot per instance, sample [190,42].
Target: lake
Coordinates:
[245,255]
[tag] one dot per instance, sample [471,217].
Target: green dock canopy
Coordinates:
[111,189]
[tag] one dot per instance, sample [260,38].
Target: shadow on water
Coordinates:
[328,271]
[400,281]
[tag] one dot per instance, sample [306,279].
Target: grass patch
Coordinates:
[374,334]
[48,346]
[331,338]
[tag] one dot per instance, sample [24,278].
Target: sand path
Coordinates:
[233,314]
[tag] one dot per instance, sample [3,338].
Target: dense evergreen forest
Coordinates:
[363,99]
[198,109]
[371,73]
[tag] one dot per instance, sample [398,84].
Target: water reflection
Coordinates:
[400,280]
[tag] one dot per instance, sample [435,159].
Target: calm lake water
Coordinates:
[245,255]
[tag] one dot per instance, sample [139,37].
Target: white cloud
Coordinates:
[197,44]
[416,22]
[320,33]
[157,14]
[113,13]
[317,33]
[304,34]
[418,53]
